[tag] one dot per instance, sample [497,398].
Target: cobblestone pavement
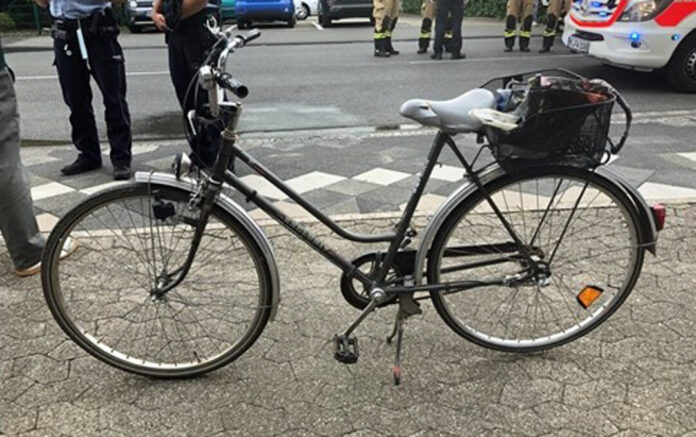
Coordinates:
[635,375]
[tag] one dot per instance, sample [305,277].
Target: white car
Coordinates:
[305,8]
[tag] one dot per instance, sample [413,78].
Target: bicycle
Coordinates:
[181,281]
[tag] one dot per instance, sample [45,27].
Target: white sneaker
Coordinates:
[69,247]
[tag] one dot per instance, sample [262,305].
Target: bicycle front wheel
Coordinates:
[132,240]
[578,226]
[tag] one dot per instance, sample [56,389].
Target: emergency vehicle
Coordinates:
[642,35]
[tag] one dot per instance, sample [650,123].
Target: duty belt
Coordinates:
[102,23]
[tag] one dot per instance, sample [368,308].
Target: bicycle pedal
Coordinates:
[346,349]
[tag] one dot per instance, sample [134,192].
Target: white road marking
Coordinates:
[130,74]
[501,58]
[318,26]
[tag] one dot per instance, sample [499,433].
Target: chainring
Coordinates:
[354,292]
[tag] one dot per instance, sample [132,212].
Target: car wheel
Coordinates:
[135,29]
[681,70]
[292,21]
[324,20]
[302,12]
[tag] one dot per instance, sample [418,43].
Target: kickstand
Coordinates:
[407,308]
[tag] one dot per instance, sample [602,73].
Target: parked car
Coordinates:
[138,15]
[305,8]
[227,10]
[335,9]
[138,12]
[249,11]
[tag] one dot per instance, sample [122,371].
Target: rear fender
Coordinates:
[647,231]
[236,211]
[647,227]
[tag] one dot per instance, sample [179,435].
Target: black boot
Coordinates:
[510,32]
[389,47]
[380,48]
[423,45]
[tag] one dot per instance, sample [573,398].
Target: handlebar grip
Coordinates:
[250,35]
[233,85]
[629,118]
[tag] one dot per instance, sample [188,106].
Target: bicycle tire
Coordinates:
[101,295]
[465,312]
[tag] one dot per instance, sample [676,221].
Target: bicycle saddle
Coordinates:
[451,116]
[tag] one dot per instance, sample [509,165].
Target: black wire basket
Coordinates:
[563,128]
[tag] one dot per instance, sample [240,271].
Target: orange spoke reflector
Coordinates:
[588,295]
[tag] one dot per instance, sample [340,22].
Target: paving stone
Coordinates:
[634,375]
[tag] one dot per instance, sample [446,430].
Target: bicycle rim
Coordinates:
[132,237]
[582,226]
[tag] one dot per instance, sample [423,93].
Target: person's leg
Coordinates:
[553,12]
[511,24]
[17,222]
[443,8]
[74,80]
[526,28]
[393,18]
[380,13]
[457,16]
[428,10]
[107,65]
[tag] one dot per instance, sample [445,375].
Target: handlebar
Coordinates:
[231,84]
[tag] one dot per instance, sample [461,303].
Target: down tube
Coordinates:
[296,228]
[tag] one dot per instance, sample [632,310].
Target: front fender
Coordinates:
[236,211]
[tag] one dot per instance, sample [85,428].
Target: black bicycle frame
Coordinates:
[220,173]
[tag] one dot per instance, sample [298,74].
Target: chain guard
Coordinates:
[355,293]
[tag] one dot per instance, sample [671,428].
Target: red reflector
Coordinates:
[659,213]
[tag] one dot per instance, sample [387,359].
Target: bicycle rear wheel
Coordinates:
[582,226]
[132,237]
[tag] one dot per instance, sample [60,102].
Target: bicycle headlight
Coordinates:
[644,10]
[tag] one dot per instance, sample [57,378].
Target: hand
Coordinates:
[159,20]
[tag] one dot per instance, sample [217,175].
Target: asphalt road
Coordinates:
[299,79]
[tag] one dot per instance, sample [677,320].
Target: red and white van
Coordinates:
[643,35]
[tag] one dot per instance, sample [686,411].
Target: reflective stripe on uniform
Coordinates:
[387,33]
[380,35]
[425,35]
[510,33]
[525,34]
[449,34]
[549,33]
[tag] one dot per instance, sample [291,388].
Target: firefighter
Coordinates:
[554,17]
[429,12]
[519,10]
[386,14]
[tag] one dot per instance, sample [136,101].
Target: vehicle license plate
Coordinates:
[578,45]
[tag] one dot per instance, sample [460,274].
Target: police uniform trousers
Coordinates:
[17,223]
[106,65]
[429,13]
[452,10]
[188,46]
[554,15]
[385,14]
[519,11]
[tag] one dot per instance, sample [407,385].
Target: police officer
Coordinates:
[84,43]
[554,16]
[188,41]
[385,14]
[446,10]
[519,10]
[429,12]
